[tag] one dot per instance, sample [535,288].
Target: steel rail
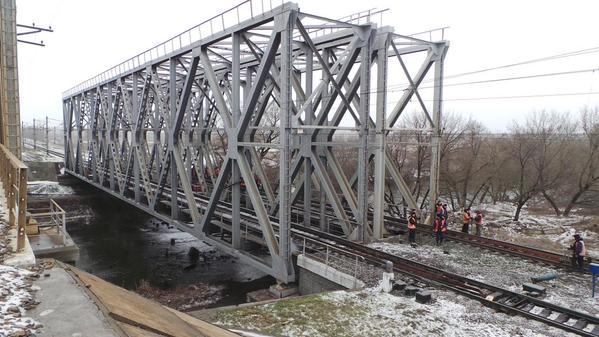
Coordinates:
[489,295]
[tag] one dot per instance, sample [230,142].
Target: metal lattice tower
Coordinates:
[234,130]
[10,118]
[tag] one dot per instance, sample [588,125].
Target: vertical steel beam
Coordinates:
[134,137]
[379,149]
[439,51]
[364,114]
[285,22]
[307,138]
[172,94]
[236,111]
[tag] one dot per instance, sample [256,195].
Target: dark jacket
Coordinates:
[579,246]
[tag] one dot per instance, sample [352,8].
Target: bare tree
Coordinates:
[551,132]
[525,182]
[587,174]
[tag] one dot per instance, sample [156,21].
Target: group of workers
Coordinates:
[579,251]
[440,223]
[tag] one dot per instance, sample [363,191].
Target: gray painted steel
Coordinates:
[198,119]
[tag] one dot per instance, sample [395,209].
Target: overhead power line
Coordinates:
[547,58]
[523,96]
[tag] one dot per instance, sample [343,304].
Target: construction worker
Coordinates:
[439,209]
[478,221]
[440,228]
[412,221]
[579,251]
[466,221]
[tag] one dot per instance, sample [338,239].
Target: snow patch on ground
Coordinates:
[370,313]
[16,295]
[536,227]
[48,188]
[572,290]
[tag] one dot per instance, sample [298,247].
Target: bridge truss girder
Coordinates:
[183,137]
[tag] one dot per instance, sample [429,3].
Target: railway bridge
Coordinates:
[258,120]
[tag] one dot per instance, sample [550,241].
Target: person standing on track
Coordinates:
[478,221]
[412,221]
[440,228]
[579,251]
[466,221]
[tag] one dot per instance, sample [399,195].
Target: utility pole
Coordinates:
[34,142]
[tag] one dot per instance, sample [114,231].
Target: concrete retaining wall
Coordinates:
[316,277]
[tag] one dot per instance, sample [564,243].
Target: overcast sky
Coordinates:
[92,36]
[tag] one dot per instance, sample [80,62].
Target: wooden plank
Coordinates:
[132,309]
[204,327]
[133,331]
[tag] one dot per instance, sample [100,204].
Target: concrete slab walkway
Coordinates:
[77,304]
[66,310]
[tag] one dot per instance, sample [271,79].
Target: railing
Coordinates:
[432,33]
[244,11]
[334,257]
[14,182]
[359,18]
[53,217]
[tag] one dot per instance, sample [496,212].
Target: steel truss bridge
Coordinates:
[184,131]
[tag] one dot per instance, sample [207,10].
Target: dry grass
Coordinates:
[182,297]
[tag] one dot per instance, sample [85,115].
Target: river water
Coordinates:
[124,246]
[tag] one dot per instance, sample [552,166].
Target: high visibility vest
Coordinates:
[480,219]
[467,218]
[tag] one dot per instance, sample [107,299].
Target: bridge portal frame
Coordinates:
[182,131]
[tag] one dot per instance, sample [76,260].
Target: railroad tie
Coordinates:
[581,324]
[526,307]
[545,312]
[562,318]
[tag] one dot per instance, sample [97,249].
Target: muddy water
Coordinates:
[123,245]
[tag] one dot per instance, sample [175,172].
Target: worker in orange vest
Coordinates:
[412,221]
[466,221]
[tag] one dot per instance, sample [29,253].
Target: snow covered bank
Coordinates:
[16,296]
[370,313]
[572,290]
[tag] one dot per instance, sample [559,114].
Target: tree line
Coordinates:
[551,155]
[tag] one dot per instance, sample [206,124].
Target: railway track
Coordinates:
[43,148]
[489,295]
[529,253]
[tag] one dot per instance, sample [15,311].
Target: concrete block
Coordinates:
[399,285]
[424,296]
[283,290]
[411,290]
[530,287]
